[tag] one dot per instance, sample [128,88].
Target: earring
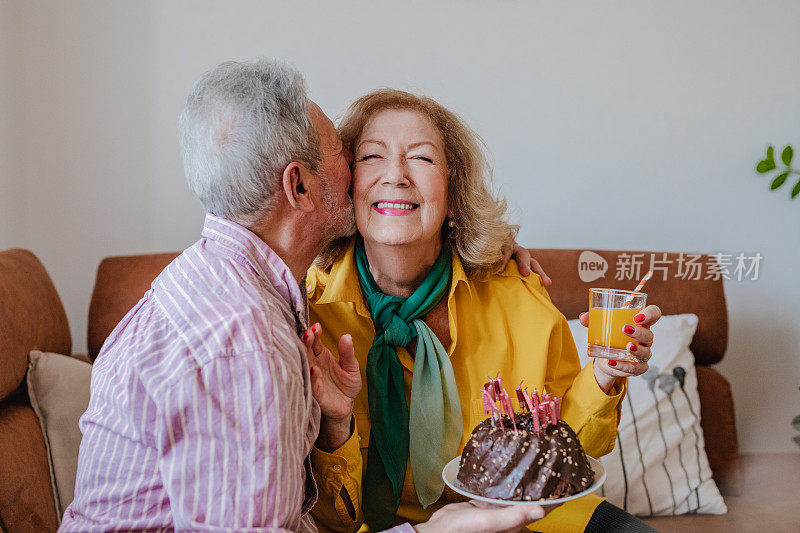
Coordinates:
[451,222]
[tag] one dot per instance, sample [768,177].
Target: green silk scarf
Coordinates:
[429,433]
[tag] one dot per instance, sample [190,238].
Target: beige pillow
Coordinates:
[58,386]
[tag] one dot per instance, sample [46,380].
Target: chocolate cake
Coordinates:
[530,455]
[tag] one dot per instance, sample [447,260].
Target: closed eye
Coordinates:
[423,158]
[369,156]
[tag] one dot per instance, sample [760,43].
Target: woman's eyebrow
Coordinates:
[420,143]
[366,141]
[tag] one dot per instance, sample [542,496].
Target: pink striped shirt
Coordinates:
[201,414]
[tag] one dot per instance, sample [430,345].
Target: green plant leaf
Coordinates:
[779,180]
[796,189]
[796,422]
[786,155]
[765,166]
[768,163]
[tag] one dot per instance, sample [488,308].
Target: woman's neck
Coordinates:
[399,270]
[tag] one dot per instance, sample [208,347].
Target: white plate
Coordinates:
[450,472]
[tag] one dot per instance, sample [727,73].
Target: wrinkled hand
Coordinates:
[335,384]
[525,263]
[609,370]
[480,517]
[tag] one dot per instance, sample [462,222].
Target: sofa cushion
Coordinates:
[31,316]
[58,387]
[659,465]
[26,494]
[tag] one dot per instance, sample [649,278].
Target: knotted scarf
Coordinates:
[434,422]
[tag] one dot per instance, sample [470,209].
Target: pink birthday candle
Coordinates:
[553,412]
[528,401]
[520,398]
[489,388]
[505,400]
[542,416]
[488,405]
[498,385]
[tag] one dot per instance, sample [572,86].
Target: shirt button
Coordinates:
[336,468]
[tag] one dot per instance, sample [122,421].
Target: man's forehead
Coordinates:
[318,116]
[323,125]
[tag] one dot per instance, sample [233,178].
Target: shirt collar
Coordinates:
[245,247]
[342,284]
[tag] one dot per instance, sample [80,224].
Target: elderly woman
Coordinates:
[430,319]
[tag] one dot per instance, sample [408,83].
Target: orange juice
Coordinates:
[605,326]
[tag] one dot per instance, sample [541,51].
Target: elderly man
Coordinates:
[201,414]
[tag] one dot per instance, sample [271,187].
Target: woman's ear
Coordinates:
[296,186]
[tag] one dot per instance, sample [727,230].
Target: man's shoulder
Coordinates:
[223,307]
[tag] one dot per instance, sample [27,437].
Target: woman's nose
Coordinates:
[396,173]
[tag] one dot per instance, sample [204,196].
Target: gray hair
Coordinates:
[241,125]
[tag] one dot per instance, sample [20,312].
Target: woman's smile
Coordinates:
[395,208]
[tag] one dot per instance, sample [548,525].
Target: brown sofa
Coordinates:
[32,317]
[122,280]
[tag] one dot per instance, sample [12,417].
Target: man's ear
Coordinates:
[296,186]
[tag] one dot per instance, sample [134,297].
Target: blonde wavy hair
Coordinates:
[481,234]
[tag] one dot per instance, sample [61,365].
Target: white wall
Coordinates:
[664,105]
[9,178]
[83,136]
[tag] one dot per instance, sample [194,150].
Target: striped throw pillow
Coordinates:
[659,465]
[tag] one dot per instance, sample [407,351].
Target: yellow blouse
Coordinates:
[505,323]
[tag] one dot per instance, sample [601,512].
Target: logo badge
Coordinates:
[591,266]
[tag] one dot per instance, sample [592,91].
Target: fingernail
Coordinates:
[628,329]
[633,347]
[639,318]
[315,327]
[581,315]
[612,363]
[305,335]
[536,514]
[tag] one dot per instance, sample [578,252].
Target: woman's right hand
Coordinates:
[479,517]
[608,372]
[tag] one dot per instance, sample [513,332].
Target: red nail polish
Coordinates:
[633,347]
[612,363]
[305,335]
[639,318]
[628,329]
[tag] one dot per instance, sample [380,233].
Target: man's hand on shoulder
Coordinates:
[526,264]
[335,384]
